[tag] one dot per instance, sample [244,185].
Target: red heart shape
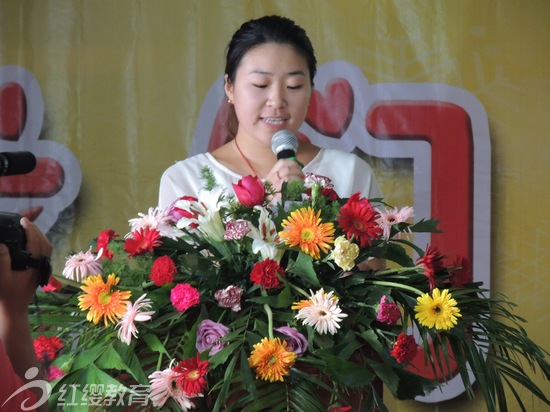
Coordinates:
[13,111]
[331,114]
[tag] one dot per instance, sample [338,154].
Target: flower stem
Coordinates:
[394,271]
[299,290]
[269,313]
[398,286]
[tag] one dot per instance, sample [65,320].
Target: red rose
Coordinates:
[250,191]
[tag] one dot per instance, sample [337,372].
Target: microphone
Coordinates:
[16,163]
[284,144]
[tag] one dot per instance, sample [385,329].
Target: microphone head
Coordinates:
[284,140]
[16,163]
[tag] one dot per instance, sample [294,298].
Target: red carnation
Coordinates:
[265,273]
[433,263]
[358,219]
[46,348]
[103,242]
[163,271]
[404,349]
[141,241]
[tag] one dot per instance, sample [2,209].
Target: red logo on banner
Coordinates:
[55,181]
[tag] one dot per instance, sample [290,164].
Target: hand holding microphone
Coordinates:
[284,144]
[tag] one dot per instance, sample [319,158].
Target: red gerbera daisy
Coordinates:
[141,241]
[462,274]
[433,263]
[103,242]
[191,373]
[163,271]
[404,349]
[358,219]
[265,273]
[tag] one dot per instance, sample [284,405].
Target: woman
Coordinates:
[270,66]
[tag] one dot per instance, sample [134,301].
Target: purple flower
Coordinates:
[209,335]
[230,297]
[296,342]
[388,312]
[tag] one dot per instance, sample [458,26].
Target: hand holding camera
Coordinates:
[13,235]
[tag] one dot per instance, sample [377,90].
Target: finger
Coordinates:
[37,243]
[5,260]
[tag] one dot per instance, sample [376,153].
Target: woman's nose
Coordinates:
[276,99]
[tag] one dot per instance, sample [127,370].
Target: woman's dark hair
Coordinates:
[267,29]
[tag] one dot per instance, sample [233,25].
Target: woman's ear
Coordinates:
[228,87]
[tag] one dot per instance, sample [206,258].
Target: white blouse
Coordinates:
[348,172]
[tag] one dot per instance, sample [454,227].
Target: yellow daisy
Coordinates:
[439,310]
[271,359]
[304,228]
[102,302]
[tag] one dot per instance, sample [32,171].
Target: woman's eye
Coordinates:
[260,86]
[295,87]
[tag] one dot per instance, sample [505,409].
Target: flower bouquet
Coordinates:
[297,300]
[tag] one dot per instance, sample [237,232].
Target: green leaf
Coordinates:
[155,344]
[110,359]
[303,267]
[347,373]
[86,357]
[429,225]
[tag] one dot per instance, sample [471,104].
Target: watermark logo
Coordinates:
[88,395]
[43,385]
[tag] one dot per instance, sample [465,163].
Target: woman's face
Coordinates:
[271,91]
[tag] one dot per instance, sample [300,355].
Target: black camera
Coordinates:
[12,234]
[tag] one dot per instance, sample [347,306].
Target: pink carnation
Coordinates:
[183,296]
[53,373]
[388,312]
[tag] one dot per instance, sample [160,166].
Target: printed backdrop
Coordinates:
[109,94]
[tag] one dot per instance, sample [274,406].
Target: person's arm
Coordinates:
[16,291]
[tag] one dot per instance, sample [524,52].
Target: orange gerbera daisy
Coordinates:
[304,228]
[103,302]
[272,359]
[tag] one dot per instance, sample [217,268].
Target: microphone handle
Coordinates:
[286,154]
[290,155]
